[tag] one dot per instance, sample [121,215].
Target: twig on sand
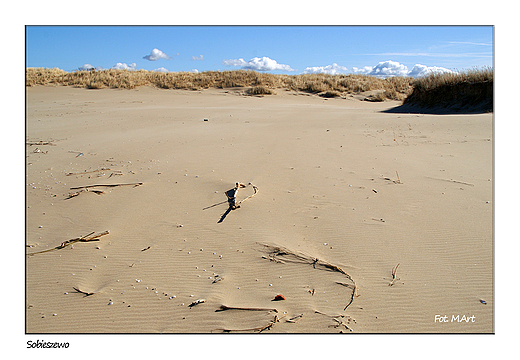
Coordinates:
[350,286]
[260,328]
[83,292]
[74,194]
[224,308]
[394,277]
[338,319]
[294,319]
[89,237]
[99,192]
[398,180]
[105,185]
[40,142]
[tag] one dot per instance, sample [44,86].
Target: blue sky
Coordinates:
[377,50]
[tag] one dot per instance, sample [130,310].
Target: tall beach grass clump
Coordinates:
[467,90]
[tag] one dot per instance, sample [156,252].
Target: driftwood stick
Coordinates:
[83,292]
[71,195]
[260,328]
[350,286]
[105,185]
[41,142]
[250,196]
[209,207]
[89,237]
[331,316]
[270,325]
[294,319]
[224,308]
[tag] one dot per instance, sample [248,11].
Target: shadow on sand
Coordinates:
[453,110]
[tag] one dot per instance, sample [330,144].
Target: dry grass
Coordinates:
[260,90]
[470,90]
[260,83]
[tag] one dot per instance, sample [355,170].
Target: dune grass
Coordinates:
[259,83]
[469,90]
[473,88]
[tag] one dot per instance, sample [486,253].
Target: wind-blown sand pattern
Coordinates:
[365,221]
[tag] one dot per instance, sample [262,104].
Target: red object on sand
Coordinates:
[279,297]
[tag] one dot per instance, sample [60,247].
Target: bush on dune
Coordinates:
[470,90]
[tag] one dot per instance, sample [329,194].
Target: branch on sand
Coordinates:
[83,292]
[40,142]
[89,237]
[86,188]
[260,328]
[105,185]
[224,308]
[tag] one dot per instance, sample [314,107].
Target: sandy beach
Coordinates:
[363,220]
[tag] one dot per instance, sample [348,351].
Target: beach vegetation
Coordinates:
[466,88]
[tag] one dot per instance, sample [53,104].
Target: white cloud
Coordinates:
[161,69]
[384,69]
[123,66]
[258,64]
[329,69]
[197,58]
[194,71]
[88,67]
[394,68]
[423,70]
[156,54]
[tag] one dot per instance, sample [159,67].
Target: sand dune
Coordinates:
[340,182]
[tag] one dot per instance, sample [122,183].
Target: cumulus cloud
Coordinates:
[156,54]
[123,66]
[258,64]
[88,67]
[161,69]
[197,58]
[384,69]
[423,70]
[195,71]
[329,69]
[394,68]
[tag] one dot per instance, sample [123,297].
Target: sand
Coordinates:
[348,191]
